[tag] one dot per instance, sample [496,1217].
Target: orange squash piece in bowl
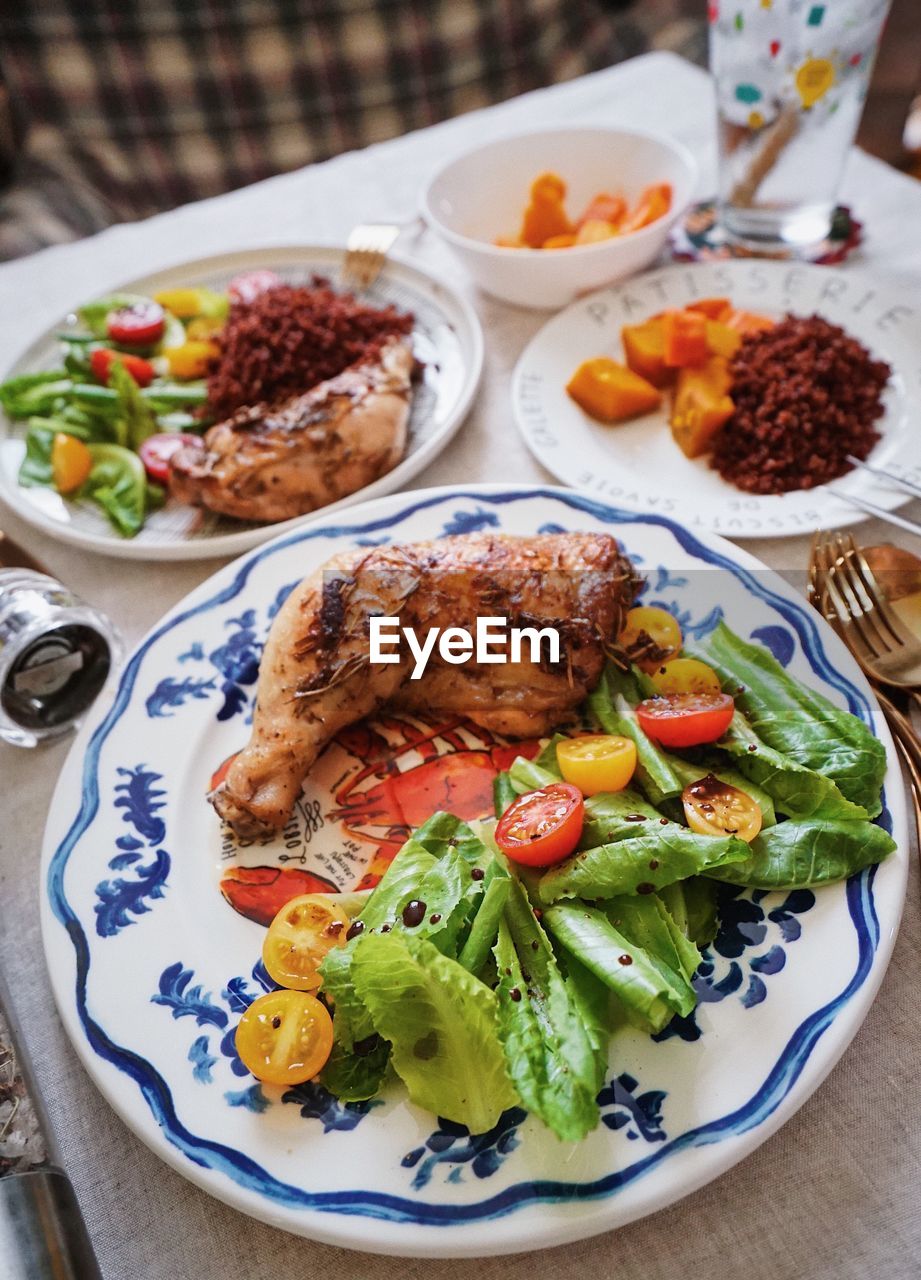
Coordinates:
[545,215]
[654,203]
[595,230]
[605,207]
[702,405]
[610,391]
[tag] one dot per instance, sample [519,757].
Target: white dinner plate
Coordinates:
[447,339]
[638,465]
[151,967]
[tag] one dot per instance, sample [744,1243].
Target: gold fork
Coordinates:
[847,588]
[366,252]
[844,589]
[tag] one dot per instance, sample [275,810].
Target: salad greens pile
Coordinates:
[112,417]
[479,982]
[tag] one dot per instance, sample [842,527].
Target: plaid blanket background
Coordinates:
[122,108]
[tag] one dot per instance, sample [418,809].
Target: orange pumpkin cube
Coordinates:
[644,348]
[685,334]
[721,340]
[611,392]
[746,322]
[712,308]
[701,406]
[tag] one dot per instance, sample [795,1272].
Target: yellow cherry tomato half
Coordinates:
[205,327]
[650,636]
[183,303]
[714,808]
[71,462]
[299,937]
[685,675]
[285,1037]
[598,762]
[193,359]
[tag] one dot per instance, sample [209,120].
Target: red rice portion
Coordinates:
[806,395]
[289,338]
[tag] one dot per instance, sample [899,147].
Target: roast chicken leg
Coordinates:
[274,462]
[316,677]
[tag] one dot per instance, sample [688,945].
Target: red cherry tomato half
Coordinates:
[156,452]
[246,287]
[542,827]
[102,359]
[686,719]
[138,325]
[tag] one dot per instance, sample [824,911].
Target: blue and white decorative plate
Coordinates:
[151,966]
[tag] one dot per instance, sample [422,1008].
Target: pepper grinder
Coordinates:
[55,651]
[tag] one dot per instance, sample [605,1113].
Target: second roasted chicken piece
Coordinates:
[272,463]
[316,676]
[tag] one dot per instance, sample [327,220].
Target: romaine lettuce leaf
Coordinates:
[442,1024]
[650,992]
[447,887]
[503,793]
[552,1056]
[799,792]
[692,904]
[640,852]
[591,999]
[795,854]
[618,815]
[798,721]
[611,705]
[689,772]
[646,922]
[352,1074]
[485,927]
[528,775]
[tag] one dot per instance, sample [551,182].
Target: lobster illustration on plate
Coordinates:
[382,779]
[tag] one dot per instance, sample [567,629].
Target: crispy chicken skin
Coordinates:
[316,678]
[275,462]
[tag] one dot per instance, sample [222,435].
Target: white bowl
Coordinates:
[481,195]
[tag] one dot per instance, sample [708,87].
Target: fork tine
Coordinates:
[848,604]
[897,629]
[857,606]
[892,635]
[838,614]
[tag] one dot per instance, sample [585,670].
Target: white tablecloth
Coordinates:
[834,1195]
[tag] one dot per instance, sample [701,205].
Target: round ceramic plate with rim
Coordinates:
[447,340]
[152,964]
[638,465]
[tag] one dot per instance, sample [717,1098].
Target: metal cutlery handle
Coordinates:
[890,476]
[901,726]
[42,1232]
[891,517]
